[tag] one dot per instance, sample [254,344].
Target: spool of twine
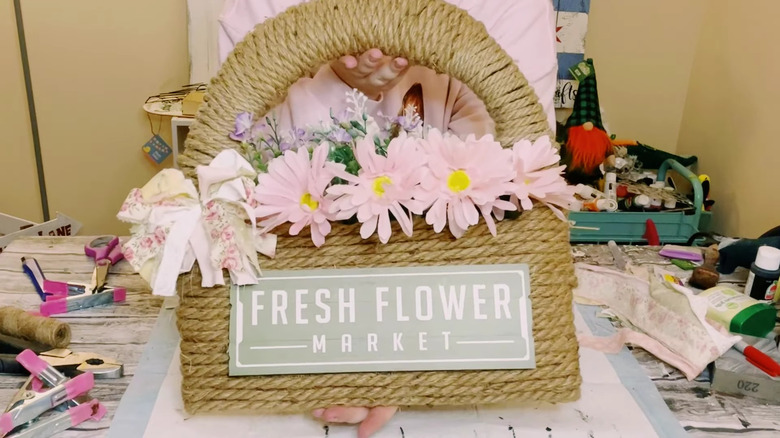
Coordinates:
[17,323]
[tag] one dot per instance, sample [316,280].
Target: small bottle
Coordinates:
[610,186]
[764,273]
[739,313]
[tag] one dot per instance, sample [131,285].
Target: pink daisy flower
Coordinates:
[465,178]
[293,190]
[384,186]
[538,178]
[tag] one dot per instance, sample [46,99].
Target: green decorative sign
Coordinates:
[382,319]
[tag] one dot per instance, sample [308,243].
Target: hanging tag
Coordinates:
[157,149]
[581,71]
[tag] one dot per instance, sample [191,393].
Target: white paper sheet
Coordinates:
[607,408]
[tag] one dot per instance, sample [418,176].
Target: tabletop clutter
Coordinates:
[696,322]
[55,396]
[323,194]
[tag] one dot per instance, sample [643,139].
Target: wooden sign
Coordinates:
[382,319]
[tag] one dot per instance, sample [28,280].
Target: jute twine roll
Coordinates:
[536,238]
[49,332]
[256,77]
[431,33]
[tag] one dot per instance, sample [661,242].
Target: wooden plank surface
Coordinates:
[121,331]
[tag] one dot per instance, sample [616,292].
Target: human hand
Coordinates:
[370,419]
[372,73]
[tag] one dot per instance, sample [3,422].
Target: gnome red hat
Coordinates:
[587,143]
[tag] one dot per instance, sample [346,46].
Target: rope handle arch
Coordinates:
[432,33]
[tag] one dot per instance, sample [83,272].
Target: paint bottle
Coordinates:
[634,203]
[764,273]
[739,313]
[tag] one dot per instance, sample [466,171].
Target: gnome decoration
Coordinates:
[587,143]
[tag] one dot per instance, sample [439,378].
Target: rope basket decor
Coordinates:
[256,77]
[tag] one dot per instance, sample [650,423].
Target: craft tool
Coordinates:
[33,270]
[686,265]
[758,358]
[29,403]
[682,252]
[106,251]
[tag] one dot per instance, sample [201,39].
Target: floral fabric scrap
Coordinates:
[174,226]
[164,213]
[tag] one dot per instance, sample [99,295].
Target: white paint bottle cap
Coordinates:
[670,203]
[575,205]
[768,258]
[642,200]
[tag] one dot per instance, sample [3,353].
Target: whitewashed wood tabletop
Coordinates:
[122,330]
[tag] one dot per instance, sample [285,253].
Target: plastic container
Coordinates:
[628,227]
[764,273]
[738,312]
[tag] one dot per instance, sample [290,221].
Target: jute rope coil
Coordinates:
[256,77]
[47,332]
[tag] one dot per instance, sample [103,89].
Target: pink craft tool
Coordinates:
[47,389]
[682,252]
[63,297]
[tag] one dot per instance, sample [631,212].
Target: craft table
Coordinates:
[122,330]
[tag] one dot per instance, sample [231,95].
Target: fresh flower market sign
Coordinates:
[382,319]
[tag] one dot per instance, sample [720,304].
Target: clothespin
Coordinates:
[63,297]
[47,389]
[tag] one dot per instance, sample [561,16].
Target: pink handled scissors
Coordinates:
[106,251]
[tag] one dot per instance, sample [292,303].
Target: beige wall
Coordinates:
[19,194]
[93,64]
[731,116]
[643,52]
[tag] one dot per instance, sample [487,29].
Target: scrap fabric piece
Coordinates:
[164,213]
[668,320]
[226,191]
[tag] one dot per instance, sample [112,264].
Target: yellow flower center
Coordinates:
[527,181]
[458,181]
[380,183]
[307,201]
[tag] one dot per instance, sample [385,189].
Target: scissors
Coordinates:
[106,252]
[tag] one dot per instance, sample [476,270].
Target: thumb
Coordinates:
[376,419]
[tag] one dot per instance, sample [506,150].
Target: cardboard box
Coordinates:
[191,103]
